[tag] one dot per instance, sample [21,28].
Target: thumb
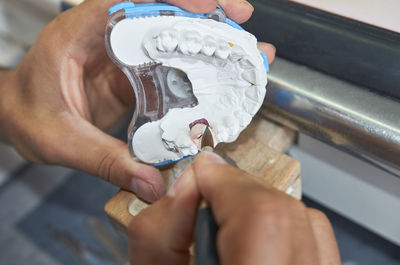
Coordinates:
[97,153]
[163,232]
[203,6]
[92,14]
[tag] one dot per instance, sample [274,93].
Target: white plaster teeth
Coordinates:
[191,43]
[245,63]
[228,100]
[227,76]
[243,117]
[252,93]
[223,50]
[250,106]
[249,76]
[209,46]
[233,125]
[237,53]
[167,40]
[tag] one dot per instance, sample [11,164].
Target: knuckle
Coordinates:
[297,206]
[264,205]
[317,217]
[107,163]
[272,207]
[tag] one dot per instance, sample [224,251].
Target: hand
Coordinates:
[56,105]
[257,224]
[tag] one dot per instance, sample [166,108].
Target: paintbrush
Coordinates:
[206,228]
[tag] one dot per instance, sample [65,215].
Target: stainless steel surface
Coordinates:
[346,116]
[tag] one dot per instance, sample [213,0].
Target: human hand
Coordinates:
[56,105]
[257,224]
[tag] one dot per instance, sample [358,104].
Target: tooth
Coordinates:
[167,40]
[245,63]
[209,46]
[240,84]
[249,76]
[228,100]
[243,117]
[223,50]
[232,124]
[191,43]
[222,135]
[252,93]
[237,53]
[250,106]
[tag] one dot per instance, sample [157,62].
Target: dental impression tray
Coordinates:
[188,71]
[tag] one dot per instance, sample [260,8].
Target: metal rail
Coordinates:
[336,112]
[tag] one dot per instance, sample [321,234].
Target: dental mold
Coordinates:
[212,69]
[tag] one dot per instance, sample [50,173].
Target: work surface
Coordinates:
[258,151]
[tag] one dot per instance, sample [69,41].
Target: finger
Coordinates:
[258,225]
[235,199]
[220,183]
[163,233]
[328,251]
[203,6]
[268,49]
[89,149]
[237,10]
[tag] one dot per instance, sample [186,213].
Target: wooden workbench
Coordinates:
[259,150]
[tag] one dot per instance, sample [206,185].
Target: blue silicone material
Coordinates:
[123,5]
[168,162]
[264,56]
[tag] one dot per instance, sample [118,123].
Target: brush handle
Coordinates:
[205,238]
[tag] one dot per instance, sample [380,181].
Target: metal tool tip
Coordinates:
[207,139]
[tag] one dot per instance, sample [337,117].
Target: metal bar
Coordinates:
[336,112]
[350,50]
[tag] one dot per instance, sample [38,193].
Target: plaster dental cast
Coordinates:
[225,69]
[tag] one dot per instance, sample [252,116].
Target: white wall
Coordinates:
[380,13]
[351,187]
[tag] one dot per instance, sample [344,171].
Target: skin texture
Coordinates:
[56,105]
[257,224]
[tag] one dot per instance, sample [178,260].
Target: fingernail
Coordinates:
[184,180]
[272,46]
[214,158]
[247,4]
[265,44]
[144,190]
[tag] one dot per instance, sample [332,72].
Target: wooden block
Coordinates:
[258,151]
